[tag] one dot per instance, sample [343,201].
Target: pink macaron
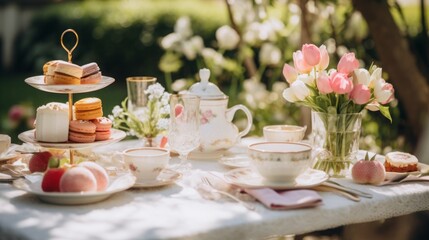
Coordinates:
[102,135]
[102,124]
[82,131]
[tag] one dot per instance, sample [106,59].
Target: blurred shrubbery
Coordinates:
[124,38]
[121,36]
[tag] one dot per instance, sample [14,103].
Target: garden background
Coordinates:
[172,39]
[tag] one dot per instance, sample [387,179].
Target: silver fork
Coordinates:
[213,189]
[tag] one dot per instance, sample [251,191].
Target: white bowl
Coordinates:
[284,133]
[280,161]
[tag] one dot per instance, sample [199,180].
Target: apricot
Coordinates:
[99,172]
[78,179]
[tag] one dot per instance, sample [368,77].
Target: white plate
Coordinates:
[117,184]
[249,178]
[235,161]
[39,83]
[28,137]
[166,177]
[422,168]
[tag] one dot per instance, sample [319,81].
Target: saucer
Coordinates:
[249,178]
[235,161]
[167,176]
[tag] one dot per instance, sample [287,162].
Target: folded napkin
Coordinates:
[285,200]
[278,200]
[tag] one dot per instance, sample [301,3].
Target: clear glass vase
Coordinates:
[337,136]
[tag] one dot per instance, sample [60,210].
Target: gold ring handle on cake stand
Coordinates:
[69,57]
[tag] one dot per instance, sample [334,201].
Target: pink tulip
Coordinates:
[360,94]
[324,58]
[311,54]
[289,73]
[388,87]
[300,64]
[324,83]
[348,63]
[340,83]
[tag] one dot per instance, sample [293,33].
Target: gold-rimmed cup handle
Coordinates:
[69,51]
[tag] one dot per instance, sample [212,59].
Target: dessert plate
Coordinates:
[235,161]
[28,137]
[39,83]
[117,184]
[249,178]
[166,177]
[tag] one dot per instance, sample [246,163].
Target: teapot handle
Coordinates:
[230,115]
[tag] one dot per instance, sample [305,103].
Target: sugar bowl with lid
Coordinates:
[217,132]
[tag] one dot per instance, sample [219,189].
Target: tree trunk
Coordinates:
[410,85]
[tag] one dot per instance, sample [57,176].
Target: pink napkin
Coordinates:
[285,200]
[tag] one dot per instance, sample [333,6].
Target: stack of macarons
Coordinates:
[85,131]
[61,72]
[90,125]
[88,109]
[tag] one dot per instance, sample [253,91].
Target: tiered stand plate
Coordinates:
[38,82]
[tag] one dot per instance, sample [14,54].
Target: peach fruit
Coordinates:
[99,172]
[78,179]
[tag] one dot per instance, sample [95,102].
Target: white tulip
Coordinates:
[381,94]
[270,54]
[183,27]
[375,76]
[361,76]
[197,43]
[307,79]
[188,50]
[289,95]
[227,37]
[300,90]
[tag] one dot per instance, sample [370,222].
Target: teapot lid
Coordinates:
[205,89]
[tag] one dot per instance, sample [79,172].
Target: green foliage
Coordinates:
[121,36]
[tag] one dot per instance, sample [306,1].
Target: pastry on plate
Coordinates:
[91,74]
[52,122]
[67,73]
[400,162]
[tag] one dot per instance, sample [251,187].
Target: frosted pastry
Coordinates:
[52,123]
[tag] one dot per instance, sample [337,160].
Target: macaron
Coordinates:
[82,131]
[88,109]
[103,126]
[91,73]
[102,135]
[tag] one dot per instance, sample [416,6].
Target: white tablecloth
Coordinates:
[179,212]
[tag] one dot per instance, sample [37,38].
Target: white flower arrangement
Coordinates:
[148,122]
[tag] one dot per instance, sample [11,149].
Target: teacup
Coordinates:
[146,163]
[4,143]
[280,161]
[284,133]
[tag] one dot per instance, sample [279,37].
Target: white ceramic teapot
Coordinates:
[217,132]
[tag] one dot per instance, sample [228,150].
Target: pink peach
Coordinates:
[78,179]
[99,173]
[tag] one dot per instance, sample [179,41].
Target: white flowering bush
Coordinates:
[147,122]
